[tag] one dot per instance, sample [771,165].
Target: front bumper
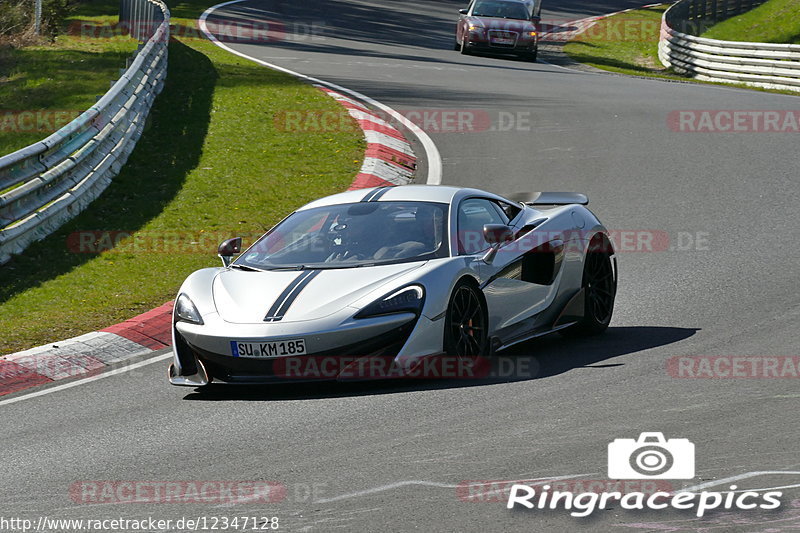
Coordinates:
[481,43]
[201,356]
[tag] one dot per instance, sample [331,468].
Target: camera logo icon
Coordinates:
[651,457]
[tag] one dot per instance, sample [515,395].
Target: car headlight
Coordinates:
[186,310]
[477,29]
[531,34]
[406,300]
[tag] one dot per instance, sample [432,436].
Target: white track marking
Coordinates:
[83,381]
[541,480]
[400,484]
[432,153]
[414,482]
[739,477]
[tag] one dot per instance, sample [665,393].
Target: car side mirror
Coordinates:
[496,235]
[228,249]
[463,11]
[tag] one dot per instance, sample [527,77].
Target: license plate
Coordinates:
[502,40]
[268,349]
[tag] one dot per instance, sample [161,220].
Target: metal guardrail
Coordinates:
[773,66]
[49,182]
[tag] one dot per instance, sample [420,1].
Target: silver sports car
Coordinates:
[403,274]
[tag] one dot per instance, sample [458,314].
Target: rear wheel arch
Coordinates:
[598,288]
[600,242]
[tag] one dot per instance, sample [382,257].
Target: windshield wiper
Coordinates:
[245,268]
[295,267]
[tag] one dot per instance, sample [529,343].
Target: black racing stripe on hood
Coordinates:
[380,192]
[288,296]
[371,194]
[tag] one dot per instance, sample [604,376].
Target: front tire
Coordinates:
[530,56]
[600,290]
[466,322]
[456,46]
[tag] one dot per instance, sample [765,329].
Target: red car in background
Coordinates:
[499,26]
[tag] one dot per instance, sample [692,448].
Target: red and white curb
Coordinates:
[388,160]
[432,155]
[580,26]
[87,354]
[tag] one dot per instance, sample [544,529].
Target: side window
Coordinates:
[510,210]
[473,213]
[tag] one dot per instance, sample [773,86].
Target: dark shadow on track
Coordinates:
[333,44]
[554,356]
[354,31]
[426,24]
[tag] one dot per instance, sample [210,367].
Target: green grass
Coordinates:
[776,21]
[56,82]
[212,163]
[628,44]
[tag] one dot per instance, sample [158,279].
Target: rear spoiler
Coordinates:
[550,198]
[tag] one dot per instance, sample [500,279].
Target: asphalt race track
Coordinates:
[390,457]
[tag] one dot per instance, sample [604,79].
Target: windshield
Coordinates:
[500,9]
[351,235]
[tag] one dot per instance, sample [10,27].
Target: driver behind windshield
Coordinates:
[507,10]
[351,235]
